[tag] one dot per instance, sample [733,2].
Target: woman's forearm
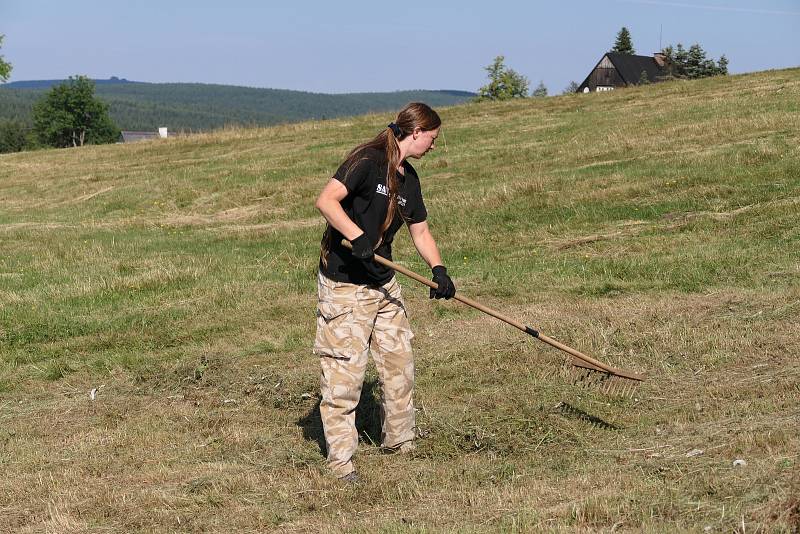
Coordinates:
[332,211]
[426,245]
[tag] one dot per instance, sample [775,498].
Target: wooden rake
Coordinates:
[587,372]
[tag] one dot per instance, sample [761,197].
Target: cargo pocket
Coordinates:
[334,331]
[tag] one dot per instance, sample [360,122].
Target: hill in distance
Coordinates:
[195,106]
[47,84]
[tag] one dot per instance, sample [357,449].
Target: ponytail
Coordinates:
[392,162]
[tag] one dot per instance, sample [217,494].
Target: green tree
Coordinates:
[692,63]
[722,66]
[696,66]
[13,137]
[643,79]
[676,60]
[5,67]
[623,44]
[681,56]
[571,88]
[540,90]
[504,83]
[70,115]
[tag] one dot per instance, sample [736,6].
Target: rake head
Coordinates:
[615,383]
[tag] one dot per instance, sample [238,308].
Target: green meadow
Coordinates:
[157,313]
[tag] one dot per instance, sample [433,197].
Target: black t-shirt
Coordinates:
[366,204]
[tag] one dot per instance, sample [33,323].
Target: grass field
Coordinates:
[655,228]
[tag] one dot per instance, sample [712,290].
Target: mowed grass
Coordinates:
[654,228]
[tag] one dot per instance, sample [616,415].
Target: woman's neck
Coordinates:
[403,146]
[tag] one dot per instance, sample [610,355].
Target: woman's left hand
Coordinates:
[446,288]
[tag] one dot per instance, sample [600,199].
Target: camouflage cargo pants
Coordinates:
[352,321]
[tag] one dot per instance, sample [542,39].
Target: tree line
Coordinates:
[692,63]
[201,107]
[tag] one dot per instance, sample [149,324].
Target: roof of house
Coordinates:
[630,67]
[129,136]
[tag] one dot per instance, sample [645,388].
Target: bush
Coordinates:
[13,137]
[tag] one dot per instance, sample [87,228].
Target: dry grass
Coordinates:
[176,281]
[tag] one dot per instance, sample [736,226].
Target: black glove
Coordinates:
[446,289]
[362,250]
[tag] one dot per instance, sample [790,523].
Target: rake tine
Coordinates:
[589,379]
[629,390]
[577,374]
[600,380]
[619,388]
[567,371]
[600,377]
[609,387]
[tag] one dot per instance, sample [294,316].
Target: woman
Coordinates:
[360,308]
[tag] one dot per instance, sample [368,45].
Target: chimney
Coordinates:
[660,58]
[162,132]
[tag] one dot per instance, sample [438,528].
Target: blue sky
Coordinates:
[349,46]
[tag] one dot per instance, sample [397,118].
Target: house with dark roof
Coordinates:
[622,70]
[127,136]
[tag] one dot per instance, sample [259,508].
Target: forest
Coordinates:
[203,107]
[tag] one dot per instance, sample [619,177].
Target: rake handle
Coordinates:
[587,361]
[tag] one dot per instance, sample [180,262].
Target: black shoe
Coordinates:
[406,447]
[351,478]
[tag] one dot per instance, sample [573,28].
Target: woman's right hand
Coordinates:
[362,249]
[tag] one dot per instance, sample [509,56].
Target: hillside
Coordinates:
[656,228]
[194,106]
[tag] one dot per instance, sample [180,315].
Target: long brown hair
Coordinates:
[412,116]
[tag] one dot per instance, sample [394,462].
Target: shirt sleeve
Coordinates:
[355,177]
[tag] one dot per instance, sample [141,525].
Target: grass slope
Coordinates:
[194,106]
[655,228]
